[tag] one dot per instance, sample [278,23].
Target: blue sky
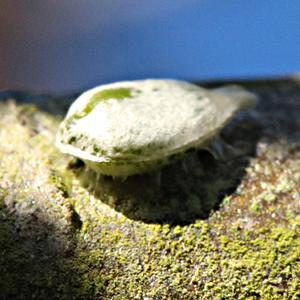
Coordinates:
[59,46]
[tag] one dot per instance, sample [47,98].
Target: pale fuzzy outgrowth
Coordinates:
[129,128]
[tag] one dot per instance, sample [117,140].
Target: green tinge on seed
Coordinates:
[120,93]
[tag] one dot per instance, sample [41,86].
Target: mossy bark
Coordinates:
[227,229]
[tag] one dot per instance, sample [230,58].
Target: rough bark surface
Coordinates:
[211,229]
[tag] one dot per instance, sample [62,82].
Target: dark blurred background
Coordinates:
[63,46]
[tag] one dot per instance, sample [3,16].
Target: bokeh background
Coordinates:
[63,46]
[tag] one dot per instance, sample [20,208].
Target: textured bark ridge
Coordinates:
[201,229]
